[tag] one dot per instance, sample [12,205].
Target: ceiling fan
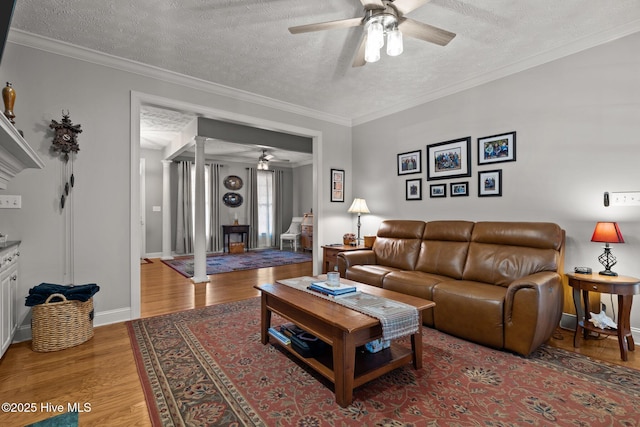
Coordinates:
[263,160]
[383,17]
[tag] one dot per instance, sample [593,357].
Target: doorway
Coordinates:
[139,99]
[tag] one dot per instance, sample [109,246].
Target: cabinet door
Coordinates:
[6,307]
[13,301]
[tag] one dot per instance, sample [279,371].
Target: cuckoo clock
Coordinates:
[65,141]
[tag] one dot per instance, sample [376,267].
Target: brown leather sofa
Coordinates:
[495,283]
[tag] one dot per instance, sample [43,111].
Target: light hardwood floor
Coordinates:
[102,373]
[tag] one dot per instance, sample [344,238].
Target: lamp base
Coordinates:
[608,273]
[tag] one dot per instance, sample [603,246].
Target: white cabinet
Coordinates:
[8,294]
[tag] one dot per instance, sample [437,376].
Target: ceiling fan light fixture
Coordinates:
[394,42]
[375,34]
[371,52]
[263,165]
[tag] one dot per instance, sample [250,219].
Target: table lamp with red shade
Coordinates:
[607,232]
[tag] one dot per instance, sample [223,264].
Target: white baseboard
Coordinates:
[153,255]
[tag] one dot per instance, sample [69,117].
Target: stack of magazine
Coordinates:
[332,290]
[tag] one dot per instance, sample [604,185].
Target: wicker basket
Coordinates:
[59,325]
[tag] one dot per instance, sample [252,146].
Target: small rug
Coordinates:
[207,367]
[224,263]
[68,419]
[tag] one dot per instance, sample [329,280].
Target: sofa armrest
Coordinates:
[348,259]
[533,308]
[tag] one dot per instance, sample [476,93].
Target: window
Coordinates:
[265,209]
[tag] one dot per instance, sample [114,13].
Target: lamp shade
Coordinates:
[358,206]
[607,232]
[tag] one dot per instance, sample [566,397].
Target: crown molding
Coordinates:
[58,47]
[525,64]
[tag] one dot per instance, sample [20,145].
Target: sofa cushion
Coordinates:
[470,310]
[444,248]
[500,254]
[416,283]
[398,243]
[371,274]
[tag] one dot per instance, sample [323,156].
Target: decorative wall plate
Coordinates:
[233,182]
[233,200]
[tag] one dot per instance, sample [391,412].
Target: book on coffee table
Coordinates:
[334,290]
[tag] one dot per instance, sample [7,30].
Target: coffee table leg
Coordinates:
[265,322]
[344,360]
[416,344]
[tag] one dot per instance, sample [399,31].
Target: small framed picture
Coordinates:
[414,189]
[337,185]
[497,148]
[459,189]
[438,190]
[410,162]
[490,183]
[449,159]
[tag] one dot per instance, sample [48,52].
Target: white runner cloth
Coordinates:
[397,319]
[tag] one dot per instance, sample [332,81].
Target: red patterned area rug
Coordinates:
[207,367]
[224,263]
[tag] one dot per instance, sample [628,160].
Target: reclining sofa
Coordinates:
[498,284]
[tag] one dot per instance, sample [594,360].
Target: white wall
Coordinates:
[578,128]
[98,97]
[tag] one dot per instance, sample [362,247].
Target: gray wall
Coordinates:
[153,197]
[578,123]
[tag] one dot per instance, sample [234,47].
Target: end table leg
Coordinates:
[625,339]
[579,317]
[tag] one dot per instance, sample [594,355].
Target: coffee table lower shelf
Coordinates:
[343,329]
[368,366]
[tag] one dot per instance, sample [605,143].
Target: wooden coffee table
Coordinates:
[344,329]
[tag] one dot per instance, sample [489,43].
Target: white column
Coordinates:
[199,244]
[166,209]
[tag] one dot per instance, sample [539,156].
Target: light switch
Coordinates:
[627,198]
[156,209]
[10,202]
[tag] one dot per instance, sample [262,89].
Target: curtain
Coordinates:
[184,219]
[278,206]
[214,238]
[252,206]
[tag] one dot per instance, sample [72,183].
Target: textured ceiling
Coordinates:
[245,44]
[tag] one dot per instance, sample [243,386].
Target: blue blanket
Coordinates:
[39,294]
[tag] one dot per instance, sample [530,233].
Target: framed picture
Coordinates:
[410,162]
[337,185]
[490,183]
[459,189]
[449,159]
[414,189]
[438,190]
[497,148]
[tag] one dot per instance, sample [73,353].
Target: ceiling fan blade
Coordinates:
[358,60]
[426,32]
[406,6]
[331,25]
[372,4]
